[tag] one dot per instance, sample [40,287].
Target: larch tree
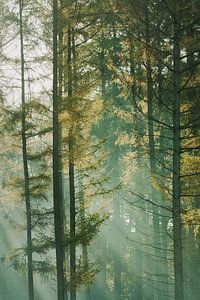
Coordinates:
[176,208]
[57,197]
[124,109]
[25,161]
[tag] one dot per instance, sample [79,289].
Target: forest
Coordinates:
[100,150]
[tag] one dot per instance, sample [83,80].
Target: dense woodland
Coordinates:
[100,149]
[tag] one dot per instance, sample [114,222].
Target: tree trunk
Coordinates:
[176,209]
[57,197]
[87,293]
[71,178]
[152,156]
[25,164]
[117,243]
[72,223]
[62,182]
[138,286]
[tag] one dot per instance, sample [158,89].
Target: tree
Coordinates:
[25,164]
[176,209]
[56,166]
[125,113]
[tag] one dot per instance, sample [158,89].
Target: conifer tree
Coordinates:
[56,166]
[25,163]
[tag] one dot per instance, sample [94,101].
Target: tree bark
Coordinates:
[57,197]
[25,163]
[87,292]
[151,144]
[176,209]
[117,255]
[71,177]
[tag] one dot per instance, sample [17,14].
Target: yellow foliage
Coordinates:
[192,219]
[164,189]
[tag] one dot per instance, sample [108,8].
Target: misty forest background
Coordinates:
[100,149]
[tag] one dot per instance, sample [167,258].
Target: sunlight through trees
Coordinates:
[100,140]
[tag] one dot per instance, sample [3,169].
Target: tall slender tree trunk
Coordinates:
[152,156]
[176,208]
[87,292]
[57,197]
[163,219]
[102,69]
[117,255]
[138,293]
[25,163]
[60,100]
[71,177]
[72,223]
[117,219]
[164,267]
